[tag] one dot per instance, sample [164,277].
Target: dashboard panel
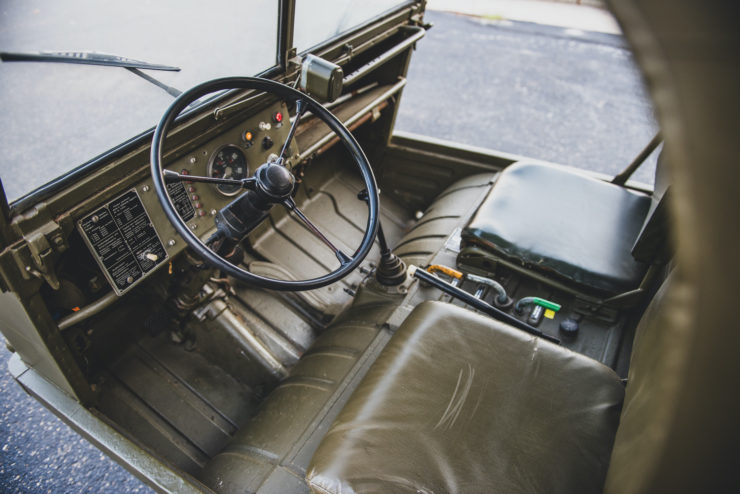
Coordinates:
[130,237]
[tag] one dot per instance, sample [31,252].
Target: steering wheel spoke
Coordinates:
[245,183]
[300,107]
[291,206]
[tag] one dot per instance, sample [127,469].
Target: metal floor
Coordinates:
[187,405]
[176,402]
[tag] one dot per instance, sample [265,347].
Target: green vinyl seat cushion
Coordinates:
[460,403]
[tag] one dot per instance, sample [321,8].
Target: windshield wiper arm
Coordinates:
[170,90]
[84,57]
[95,58]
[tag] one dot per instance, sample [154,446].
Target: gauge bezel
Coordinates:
[212,158]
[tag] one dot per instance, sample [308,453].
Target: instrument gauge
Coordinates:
[228,162]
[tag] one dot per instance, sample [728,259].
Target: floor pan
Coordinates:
[175,401]
[334,207]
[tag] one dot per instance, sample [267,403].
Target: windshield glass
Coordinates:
[56,116]
[337,17]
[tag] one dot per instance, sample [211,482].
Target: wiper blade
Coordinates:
[84,57]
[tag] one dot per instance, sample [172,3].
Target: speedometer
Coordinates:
[228,162]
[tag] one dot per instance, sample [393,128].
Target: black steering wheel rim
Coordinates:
[289,95]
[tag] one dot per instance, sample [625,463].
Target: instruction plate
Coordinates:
[123,241]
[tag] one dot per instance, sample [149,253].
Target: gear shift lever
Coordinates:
[391,269]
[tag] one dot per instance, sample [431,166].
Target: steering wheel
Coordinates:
[272,184]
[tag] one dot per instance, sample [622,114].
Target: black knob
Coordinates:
[569,327]
[275,180]
[267,142]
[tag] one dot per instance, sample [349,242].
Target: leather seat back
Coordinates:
[653,243]
[679,427]
[661,346]
[461,403]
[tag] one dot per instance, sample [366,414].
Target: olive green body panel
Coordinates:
[20,332]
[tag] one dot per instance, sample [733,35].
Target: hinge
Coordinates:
[294,65]
[417,18]
[41,246]
[290,56]
[348,51]
[44,252]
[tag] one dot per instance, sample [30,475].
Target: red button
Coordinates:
[195,197]
[191,189]
[201,213]
[185,171]
[278,117]
[198,205]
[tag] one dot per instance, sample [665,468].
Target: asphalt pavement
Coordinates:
[552,93]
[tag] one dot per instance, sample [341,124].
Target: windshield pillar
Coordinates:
[285,48]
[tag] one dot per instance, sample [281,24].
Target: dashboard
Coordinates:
[130,237]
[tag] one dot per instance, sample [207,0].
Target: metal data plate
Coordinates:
[179,197]
[123,241]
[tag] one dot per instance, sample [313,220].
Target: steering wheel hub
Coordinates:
[275,181]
